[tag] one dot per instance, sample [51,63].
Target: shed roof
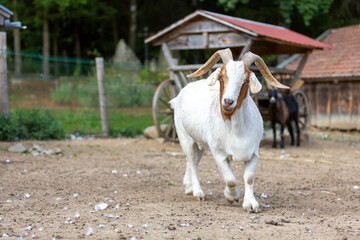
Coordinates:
[5,12]
[255,29]
[340,62]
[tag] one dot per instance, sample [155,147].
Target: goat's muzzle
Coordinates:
[227,104]
[272,99]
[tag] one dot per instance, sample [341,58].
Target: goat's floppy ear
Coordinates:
[213,77]
[255,85]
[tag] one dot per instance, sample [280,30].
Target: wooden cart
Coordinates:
[207,30]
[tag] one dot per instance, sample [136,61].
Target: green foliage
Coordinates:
[31,124]
[123,122]
[125,87]
[10,130]
[308,9]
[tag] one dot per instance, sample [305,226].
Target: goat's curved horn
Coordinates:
[249,58]
[225,56]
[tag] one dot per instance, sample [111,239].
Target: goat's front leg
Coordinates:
[282,145]
[231,191]
[250,202]
[273,126]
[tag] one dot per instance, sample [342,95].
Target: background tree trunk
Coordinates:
[17,44]
[46,46]
[132,30]
[55,51]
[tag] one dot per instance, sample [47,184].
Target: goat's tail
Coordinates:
[173,102]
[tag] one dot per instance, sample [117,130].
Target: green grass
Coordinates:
[125,122]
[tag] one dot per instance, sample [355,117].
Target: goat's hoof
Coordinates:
[200,199]
[232,193]
[200,196]
[231,202]
[273,146]
[188,189]
[251,205]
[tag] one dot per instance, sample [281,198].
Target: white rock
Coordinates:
[0,219]
[117,206]
[116,230]
[111,216]
[266,206]
[58,199]
[208,182]
[28,228]
[184,225]
[65,208]
[133,238]
[130,226]
[101,225]
[138,172]
[7,161]
[19,148]
[125,175]
[5,235]
[263,196]
[209,192]
[101,206]
[40,229]
[9,201]
[77,215]
[356,187]
[115,191]
[89,232]
[76,195]
[27,195]
[114,171]
[145,226]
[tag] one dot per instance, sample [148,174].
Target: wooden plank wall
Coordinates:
[334,105]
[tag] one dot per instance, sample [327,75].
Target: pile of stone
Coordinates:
[152,133]
[35,150]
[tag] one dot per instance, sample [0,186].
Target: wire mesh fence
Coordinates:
[71,91]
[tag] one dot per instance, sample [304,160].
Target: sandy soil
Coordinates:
[311,192]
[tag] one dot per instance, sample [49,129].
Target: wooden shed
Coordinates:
[332,80]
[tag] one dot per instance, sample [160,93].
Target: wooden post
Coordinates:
[4,101]
[300,68]
[102,95]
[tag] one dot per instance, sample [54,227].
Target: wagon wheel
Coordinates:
[304,110]
[163,115]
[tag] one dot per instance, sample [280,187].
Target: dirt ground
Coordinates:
[311,192]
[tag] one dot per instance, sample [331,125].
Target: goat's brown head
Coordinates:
[235,79]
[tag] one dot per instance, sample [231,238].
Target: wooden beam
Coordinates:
[245,49]
[167,54]
[300,68]
[205,37]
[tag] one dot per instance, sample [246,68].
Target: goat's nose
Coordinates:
[228,102]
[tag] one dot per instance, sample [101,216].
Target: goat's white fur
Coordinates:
[200,126]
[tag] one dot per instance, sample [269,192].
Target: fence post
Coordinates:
[4,101]
[102,95]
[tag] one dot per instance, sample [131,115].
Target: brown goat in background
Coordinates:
[283,110]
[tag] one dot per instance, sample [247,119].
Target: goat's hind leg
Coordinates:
[191,180]
[250,202]
[231,191]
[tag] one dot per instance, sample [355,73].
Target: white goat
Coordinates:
[221,116]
